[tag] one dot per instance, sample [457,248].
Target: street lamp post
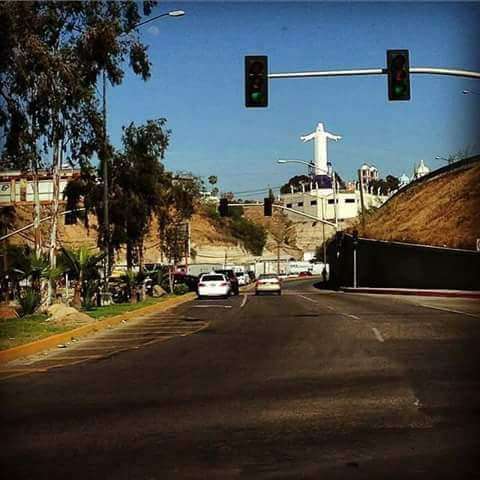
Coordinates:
[173,13]
[448,160]
[470,92]
[310,165]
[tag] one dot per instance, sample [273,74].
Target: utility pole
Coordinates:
[57,163]
[323,232]
[335,204]
[106,221]
[278,258]
[360,182]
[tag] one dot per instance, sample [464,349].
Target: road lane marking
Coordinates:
[309,299]
[331,308]
[353,316]
[451,311]
[378,335]
[245,297]
[212,306]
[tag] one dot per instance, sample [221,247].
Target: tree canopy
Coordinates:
[51,56]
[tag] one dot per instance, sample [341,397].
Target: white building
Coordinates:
[403,180]
[17,187]
[420,170]
[368,173]
[321,203]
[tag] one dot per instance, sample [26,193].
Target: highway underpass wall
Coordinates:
[383,264]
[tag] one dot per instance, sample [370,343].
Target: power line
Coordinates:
[259,190]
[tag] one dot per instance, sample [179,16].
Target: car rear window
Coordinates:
[264,276]
[212,278]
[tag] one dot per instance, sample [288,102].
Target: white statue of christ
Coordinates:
[319,137]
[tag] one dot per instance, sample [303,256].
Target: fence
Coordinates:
[384,264]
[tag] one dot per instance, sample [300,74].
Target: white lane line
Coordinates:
[212,306]
[451,311]
[245,297]
[331,308]
[353,316]
[378,335]
[309,299]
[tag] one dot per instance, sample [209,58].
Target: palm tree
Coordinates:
[83,263]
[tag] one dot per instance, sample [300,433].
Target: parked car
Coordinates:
[268,283]
[214,285]
[191,281]
[242,278]
[305,274]
[232,278]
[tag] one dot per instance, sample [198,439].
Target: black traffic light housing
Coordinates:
[256,81]
[267,206]
[398,70]
[355,238]
[223,207]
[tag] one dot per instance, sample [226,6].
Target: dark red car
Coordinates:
[305,274]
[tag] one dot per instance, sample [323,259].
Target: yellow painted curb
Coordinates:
[52,341]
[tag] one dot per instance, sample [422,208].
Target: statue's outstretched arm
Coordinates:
[333,137]
[308,137]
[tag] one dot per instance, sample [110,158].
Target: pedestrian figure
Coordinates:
[324,274]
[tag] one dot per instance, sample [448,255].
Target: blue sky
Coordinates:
[197,84]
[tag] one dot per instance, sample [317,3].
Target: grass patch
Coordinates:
[119,308]
[17,331]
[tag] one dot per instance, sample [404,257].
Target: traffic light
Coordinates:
[398,69]
[256,81]
[267,206]
[223,207]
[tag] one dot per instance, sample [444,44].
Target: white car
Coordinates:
[213,285]
[268,283]
[242,278]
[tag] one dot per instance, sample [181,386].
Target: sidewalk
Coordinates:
[413,291]
[96,326]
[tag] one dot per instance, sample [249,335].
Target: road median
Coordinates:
[96,326]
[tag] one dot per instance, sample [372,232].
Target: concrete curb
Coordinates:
[419,292]
[52,341]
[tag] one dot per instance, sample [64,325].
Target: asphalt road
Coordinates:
[310,385]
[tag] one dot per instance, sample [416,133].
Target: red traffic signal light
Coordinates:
[398,70]
[256,81]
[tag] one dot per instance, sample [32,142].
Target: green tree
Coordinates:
[52,55]
[212,180]
[83,264]
[295,182]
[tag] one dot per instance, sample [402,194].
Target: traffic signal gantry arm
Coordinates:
[281,207]
[375,71]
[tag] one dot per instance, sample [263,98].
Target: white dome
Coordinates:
[422,169]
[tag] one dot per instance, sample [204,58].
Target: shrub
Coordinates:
[250,233]
[180,289]
[29,301]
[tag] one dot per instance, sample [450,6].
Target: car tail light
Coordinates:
[223,284]
[202,284]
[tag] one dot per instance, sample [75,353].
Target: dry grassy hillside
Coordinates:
[206,233]
[443,212]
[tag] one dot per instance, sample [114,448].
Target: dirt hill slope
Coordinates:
[443,211]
